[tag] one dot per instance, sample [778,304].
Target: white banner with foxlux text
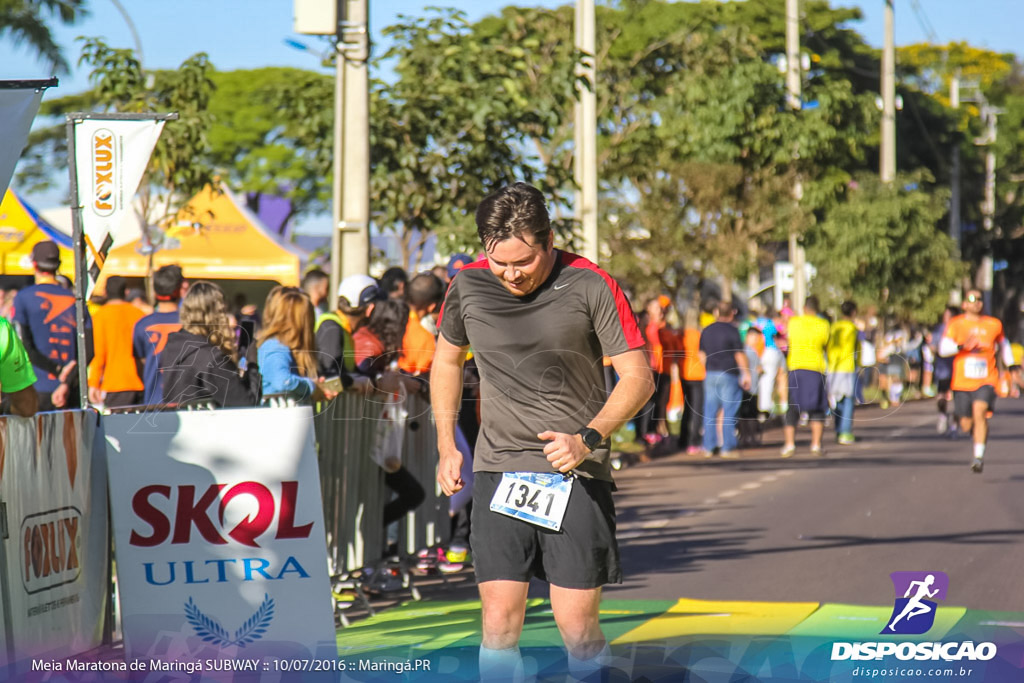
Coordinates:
[55,490]
[18,109]
[110,159]
[219,537]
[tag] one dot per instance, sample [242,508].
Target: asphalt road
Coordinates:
[831,529]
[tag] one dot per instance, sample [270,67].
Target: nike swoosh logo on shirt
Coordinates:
[561,286]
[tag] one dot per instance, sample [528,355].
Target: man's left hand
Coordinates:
[565,452]
[59,397]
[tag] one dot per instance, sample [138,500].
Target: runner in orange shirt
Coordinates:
[975,339]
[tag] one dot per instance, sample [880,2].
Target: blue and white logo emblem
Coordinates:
[914,612]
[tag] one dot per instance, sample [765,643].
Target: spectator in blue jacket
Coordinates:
[287,348]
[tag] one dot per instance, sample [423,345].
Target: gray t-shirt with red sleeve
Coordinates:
[539,357]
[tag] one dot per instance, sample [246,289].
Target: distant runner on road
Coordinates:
[975,340]
[539,321]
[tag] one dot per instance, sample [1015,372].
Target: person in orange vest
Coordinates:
[424,295]
[975,341]
[691,372]
[661,344]
[113,377]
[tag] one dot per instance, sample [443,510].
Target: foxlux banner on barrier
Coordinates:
[110,158]
[55,492]
[219,536]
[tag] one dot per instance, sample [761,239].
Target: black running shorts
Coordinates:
[963,401]
[807,394]
[582,555]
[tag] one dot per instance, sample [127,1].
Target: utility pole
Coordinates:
[354,221]
[887,170]
[797,257]
[585,157]
[988,207]
[954,202]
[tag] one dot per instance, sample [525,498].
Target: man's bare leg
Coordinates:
[504,609]
[577,614]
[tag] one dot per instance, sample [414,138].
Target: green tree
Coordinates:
[881,246]
[458,122]
[27,22]
[271,133]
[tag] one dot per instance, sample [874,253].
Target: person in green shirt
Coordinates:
[842,372]
[808,336]
[16,375]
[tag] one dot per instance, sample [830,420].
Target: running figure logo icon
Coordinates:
[914,613]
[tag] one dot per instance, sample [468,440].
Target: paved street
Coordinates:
[751,569]
[833,528]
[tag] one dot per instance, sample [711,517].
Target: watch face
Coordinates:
[591,438]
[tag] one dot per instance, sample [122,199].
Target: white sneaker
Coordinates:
[943,424]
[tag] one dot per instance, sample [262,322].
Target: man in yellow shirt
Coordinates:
[842,372]
[808,336]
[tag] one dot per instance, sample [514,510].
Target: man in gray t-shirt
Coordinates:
[538,321]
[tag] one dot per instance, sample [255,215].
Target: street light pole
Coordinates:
[337,188]
[887,170]
[585,161]
[797,256]
[354,222]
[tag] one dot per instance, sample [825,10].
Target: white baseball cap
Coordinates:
[360,290]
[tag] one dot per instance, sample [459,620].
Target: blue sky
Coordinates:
[251,33]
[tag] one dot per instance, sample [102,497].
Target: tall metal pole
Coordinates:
[585,158]
[887,170]
[338,187]
[797,256]
[989,207]
[355,221]
[81,273]
[954,202]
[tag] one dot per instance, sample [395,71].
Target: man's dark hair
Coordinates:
[811,304]
[513,211]
[423,290]
[314,277]
[848,309]
[388,321]
[390,279]
[725,309]
[167,282]
[116,287]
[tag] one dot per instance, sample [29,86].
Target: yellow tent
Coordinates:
[20,229]
[215,238]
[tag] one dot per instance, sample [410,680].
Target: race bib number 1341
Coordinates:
[539,498]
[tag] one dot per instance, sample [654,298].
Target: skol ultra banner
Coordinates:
[110,157]
[219,537]
[18,108]
[55,490]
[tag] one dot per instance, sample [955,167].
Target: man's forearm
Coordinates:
[445,397]
[628,396]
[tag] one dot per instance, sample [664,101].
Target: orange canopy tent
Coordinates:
[215,237]
[21,228]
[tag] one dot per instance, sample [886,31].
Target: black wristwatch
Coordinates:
[591,438]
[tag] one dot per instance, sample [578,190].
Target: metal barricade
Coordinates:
[352,483]
[354,493]
[429,524]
